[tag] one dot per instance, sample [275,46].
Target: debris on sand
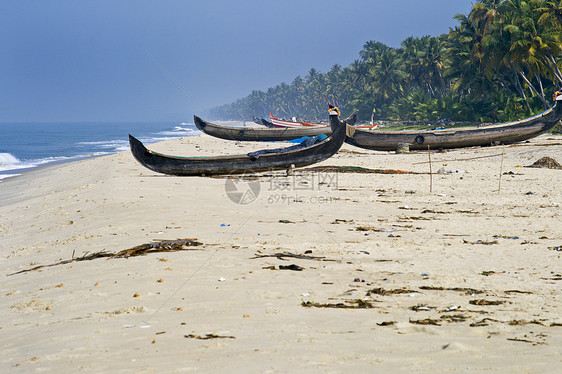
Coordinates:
[208,336]
[294,267]
[283,255]
[139,250]
[383,292]
[486,302]
[159,246]
[546,162]
[427,321]
[483,242]
[349,304]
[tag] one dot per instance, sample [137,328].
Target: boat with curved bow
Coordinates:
[309,152]
[505,133]
[258,133]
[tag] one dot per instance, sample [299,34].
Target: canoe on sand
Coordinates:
[505,133]
[266,160]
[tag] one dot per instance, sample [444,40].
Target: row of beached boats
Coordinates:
[324,140]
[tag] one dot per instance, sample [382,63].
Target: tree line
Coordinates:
[501,62]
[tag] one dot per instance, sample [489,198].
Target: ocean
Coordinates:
[24,146]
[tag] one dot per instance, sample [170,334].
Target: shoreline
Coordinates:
[394,277]
[79,157]
[22,171]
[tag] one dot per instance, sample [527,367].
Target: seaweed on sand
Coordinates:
[139,250]
[352,304]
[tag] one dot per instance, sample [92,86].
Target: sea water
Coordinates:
[25,146]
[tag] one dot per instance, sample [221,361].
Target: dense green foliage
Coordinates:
[500,63]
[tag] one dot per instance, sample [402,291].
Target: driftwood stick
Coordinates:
[282,255]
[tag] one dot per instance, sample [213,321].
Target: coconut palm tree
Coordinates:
[525,43]
[551,11]
[388,75]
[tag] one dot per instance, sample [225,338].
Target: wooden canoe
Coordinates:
[271,133]
[259,134]
[505,133]
[267,160]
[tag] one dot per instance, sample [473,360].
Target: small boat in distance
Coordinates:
[351,120]
[263,122]
[284,123]
[266,160]
[505,133]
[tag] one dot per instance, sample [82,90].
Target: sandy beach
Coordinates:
[323,271]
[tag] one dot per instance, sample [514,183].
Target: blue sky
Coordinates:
[102,60]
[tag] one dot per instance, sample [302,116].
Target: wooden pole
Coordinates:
[430,171]
[501,171]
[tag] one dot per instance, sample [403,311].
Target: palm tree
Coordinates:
[525,43]
[388,75]
[551,11]
[551,20]
[484,13]
[464,70]
[372,49]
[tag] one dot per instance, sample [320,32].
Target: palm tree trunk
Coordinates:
[442,82]
[532,88]
[554,68]
[521,92]
[430,89]
[504,85]
[559,76]
[538,78]
[554,73]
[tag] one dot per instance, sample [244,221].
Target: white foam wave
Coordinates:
[181,131]
[106,144]
[121,145]
[4,176]
[10,163]
[7,158]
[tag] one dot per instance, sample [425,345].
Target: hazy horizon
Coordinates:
[102,61]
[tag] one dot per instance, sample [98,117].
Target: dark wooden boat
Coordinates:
[263,122]
[267,160]
[505,133]
[259,134]
[272,133]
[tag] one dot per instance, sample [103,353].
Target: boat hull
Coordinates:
[507,133]
[241,164]
[259,134]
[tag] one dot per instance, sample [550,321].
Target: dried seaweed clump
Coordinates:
[546,162]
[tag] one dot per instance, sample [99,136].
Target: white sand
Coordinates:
[83,316]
